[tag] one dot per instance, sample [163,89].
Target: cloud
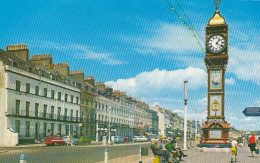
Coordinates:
[247,119]
[178,111]
[244,63]
[230,81]
[159,82]
[83,52]
[169,38]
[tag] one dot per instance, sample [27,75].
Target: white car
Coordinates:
[67,140]
[140,139]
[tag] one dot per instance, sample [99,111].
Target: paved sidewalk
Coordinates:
[132,159]
[196,156]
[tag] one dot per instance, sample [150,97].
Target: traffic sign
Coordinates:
[252,111]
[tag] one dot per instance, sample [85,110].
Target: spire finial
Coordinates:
[217,3]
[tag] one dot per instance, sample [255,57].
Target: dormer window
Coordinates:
[15,64]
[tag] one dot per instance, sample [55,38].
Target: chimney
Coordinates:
[90,80]
[43,60]
[79,75]
[20,51]
[62,68]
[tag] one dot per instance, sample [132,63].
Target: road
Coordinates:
[68,154]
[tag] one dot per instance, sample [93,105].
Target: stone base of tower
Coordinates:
[215,135]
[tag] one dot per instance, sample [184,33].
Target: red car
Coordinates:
[125,139]
[54,140]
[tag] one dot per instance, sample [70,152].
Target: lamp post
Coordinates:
[109,109]
[185,114]
[97,128]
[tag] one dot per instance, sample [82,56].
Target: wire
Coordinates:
[188,19]
[190,27]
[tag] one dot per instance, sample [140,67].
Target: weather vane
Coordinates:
[217,3]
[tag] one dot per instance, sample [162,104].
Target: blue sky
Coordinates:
[142,47]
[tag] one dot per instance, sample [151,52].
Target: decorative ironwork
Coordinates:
[217,3]
[41,115]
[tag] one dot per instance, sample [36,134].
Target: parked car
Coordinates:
[140,139]
[84,140]
[67,140]
[125,139]
[54,140]
[117,139]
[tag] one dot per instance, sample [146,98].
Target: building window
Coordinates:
[67,129]
[71,97]
[44,111]
[17,107]
[37,90]
[45,129]
[59,95]
[59,129]
[58,112]
[71,114]
[27,88]
[99,105]
[52,128]
[36,109]
[15,64]
[30,70]
[77,100]
[52,112]
[27,109]
[71,129]
[77,114]
[18,85]
[17,126]
[65,113]
[27,128]
[106,107]
[66,97]
[52,94]
[45,92]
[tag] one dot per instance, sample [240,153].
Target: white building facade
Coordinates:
[164,120]
[34,104]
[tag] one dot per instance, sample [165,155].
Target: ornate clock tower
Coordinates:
[216,129]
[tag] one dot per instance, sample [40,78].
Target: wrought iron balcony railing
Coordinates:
[41,115]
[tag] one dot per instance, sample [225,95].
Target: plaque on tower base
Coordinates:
[215,135]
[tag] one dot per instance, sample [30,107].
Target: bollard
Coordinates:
[23,158]
[140,155]
[106,155]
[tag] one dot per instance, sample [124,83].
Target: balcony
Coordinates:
[41,115]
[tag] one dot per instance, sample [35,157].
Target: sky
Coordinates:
[143,48]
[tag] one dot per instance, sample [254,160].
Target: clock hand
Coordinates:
[217,42]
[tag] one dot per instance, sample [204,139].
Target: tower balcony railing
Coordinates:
[41,115]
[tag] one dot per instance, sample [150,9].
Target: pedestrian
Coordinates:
[70,139]
[234,150]
[252,143]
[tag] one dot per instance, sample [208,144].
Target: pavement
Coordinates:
[119,153]
[195,155]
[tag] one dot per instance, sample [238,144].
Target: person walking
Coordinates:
[70,139]
[252,143]
[234,150]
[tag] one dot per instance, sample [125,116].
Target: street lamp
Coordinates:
[97,128]
[185,114]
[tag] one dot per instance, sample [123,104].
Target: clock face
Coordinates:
[216,43]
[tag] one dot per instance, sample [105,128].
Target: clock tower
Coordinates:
[216,129]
